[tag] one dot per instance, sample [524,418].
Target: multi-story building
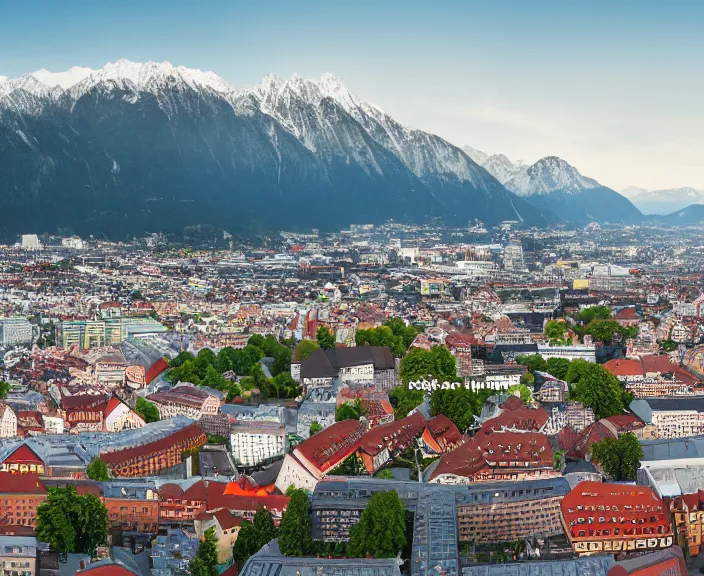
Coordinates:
[8,422]
[20,495]
[370,364]
[254,443]
[461,348]
[509,511]
[583,352]
[496,456]
[612,518]
[312,459]
[688,513]
[385,442]
[105,332]
[15,332]
[673,417]
[18,556]
[131,506]
[185,400]
[153,448]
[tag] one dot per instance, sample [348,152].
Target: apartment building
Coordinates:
[8,422]
[254,443]
[15,332]
[612,518]
[673,417]
[508,511]
[185,400]
[18,556]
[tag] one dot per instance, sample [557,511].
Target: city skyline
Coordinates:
[609,88]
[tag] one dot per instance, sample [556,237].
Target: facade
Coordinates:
[371,364]
[612,518]
[312,459]
[15,332]
[20,495]
[254,443]
[88,334]
[131,506]
[162,445]
[508,511]
[18,556]
[688,516]
[8,422]
[461,348]
[587,353]
[185,400]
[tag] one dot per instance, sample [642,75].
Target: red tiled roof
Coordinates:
[227,519]
[631,505]
[394,435]
[106,569]
[155,370]
[659,364]
[84,402]
[487,449]
[517,415]
[627,314]
[217,498]
[125,454]
[624,367]
[332,445]
[441,425]
[21,484]
[23,454]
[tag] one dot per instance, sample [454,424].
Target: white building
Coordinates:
[8,422]
[73,242]
[15,332]
[587,353]
[255,442]
[31,242]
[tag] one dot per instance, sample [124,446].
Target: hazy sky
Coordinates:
[615,87]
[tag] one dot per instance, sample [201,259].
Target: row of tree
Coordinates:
[590,383]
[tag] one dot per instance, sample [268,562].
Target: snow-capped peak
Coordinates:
[477,155]
[3,79]
[64,79]
[148,76]
[550,174]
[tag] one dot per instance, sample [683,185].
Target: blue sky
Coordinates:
[614,87]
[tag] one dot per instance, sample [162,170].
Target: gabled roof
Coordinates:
[490,449]
[398,433]
[329,447]
[327,363]
[161,365]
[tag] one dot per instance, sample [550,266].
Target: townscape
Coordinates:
[389,399]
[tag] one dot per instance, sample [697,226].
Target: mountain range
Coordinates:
[663,202]
[136,147]
[553,185]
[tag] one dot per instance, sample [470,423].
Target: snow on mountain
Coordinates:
[550,174]
[477,155]
[65,79]
[150,77]
[664,202]
[3,79]
[631,191]
[501,168]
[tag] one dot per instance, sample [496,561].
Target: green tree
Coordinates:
[72,523]
[264,527]
[227,357]
[558,367]
[325,338]
[404,400]
[4,389]
[303,350]
[181,359]
[385,474]
[284,386]
[246,543]
[619,457]
[578,368]
[205,562]
[460,405]
[346,411]
[532,361]
[599,389]
[437,363]
[295,530]
[556,332]
[629,332]
[147,410]
[97,470]
[524,392]
[603,330]
[315,427]
[668,345]
[594,313]
[381,530]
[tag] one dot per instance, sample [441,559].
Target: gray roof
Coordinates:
[269,560]
[677,403]
[673,448]
[327,363]
[589,566]
[642,409]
